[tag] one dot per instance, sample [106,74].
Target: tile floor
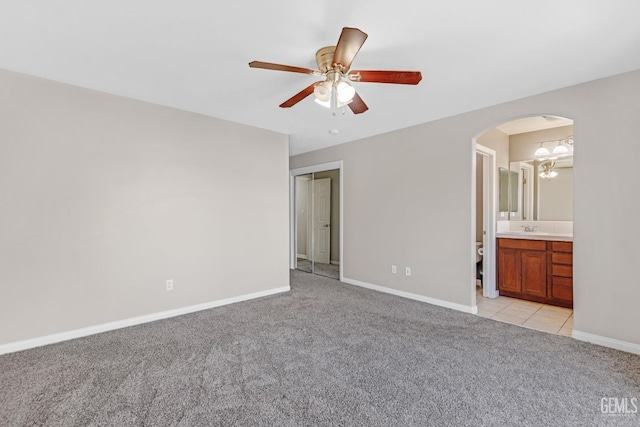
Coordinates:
[543,317]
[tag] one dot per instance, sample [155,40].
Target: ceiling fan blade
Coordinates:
[396,77]
[357,105]
[280,67]
[349,43]
[298,96]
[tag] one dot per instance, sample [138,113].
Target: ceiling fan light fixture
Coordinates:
[322,91]
[345,92]
[343,104]
[325,104]
[548,174]
[547,171]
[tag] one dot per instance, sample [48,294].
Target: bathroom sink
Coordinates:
[526,233]
[535,235]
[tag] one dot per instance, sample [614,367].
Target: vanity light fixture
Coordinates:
[542,150]
[563,146]
[560,148]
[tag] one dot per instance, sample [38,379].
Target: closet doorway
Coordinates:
[316,244]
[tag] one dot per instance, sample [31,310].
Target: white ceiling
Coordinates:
[530,124]
[193,54]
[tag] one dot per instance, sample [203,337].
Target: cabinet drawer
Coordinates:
[562,288]
[562,258]
[562,246]
[534,245]
[562,270]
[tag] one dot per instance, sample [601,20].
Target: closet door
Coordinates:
[321,220]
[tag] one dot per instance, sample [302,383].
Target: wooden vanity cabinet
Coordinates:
[561,273]
[536,270]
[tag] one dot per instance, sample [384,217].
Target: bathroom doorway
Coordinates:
[533,240]
[316,219]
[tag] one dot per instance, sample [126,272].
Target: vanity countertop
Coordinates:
[534,235]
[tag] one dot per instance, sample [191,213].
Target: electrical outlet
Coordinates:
[169,285]
[407,271]
[394,269]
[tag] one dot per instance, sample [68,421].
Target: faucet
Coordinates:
[529,228]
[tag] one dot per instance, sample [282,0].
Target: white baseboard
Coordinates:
[607,342]
[301,256]
[422,298]
[335,262]
[91,330]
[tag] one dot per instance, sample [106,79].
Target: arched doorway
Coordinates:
[530,200]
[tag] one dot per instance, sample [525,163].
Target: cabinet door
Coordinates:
[534,273]
[509,270]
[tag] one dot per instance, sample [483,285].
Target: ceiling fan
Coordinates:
[548,169]
[334,64]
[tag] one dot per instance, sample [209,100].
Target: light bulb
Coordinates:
[548,174]
[346,92]
[560,149]
[325,104]
[322,91]
[542,151]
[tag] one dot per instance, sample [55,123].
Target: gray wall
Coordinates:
[421,193]
[104,198]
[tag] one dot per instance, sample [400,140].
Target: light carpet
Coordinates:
[325,353]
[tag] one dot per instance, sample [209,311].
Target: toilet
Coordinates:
[479,252]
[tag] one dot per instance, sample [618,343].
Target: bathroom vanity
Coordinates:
[535,268]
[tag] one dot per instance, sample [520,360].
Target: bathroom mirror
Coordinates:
[537,198]
[535,145]
[508,198]
[503,199]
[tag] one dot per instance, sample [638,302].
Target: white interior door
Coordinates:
[321,220]
[486,220]
[489,206]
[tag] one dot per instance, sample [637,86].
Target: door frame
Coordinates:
[308,208]
[293,226]
[489,206]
